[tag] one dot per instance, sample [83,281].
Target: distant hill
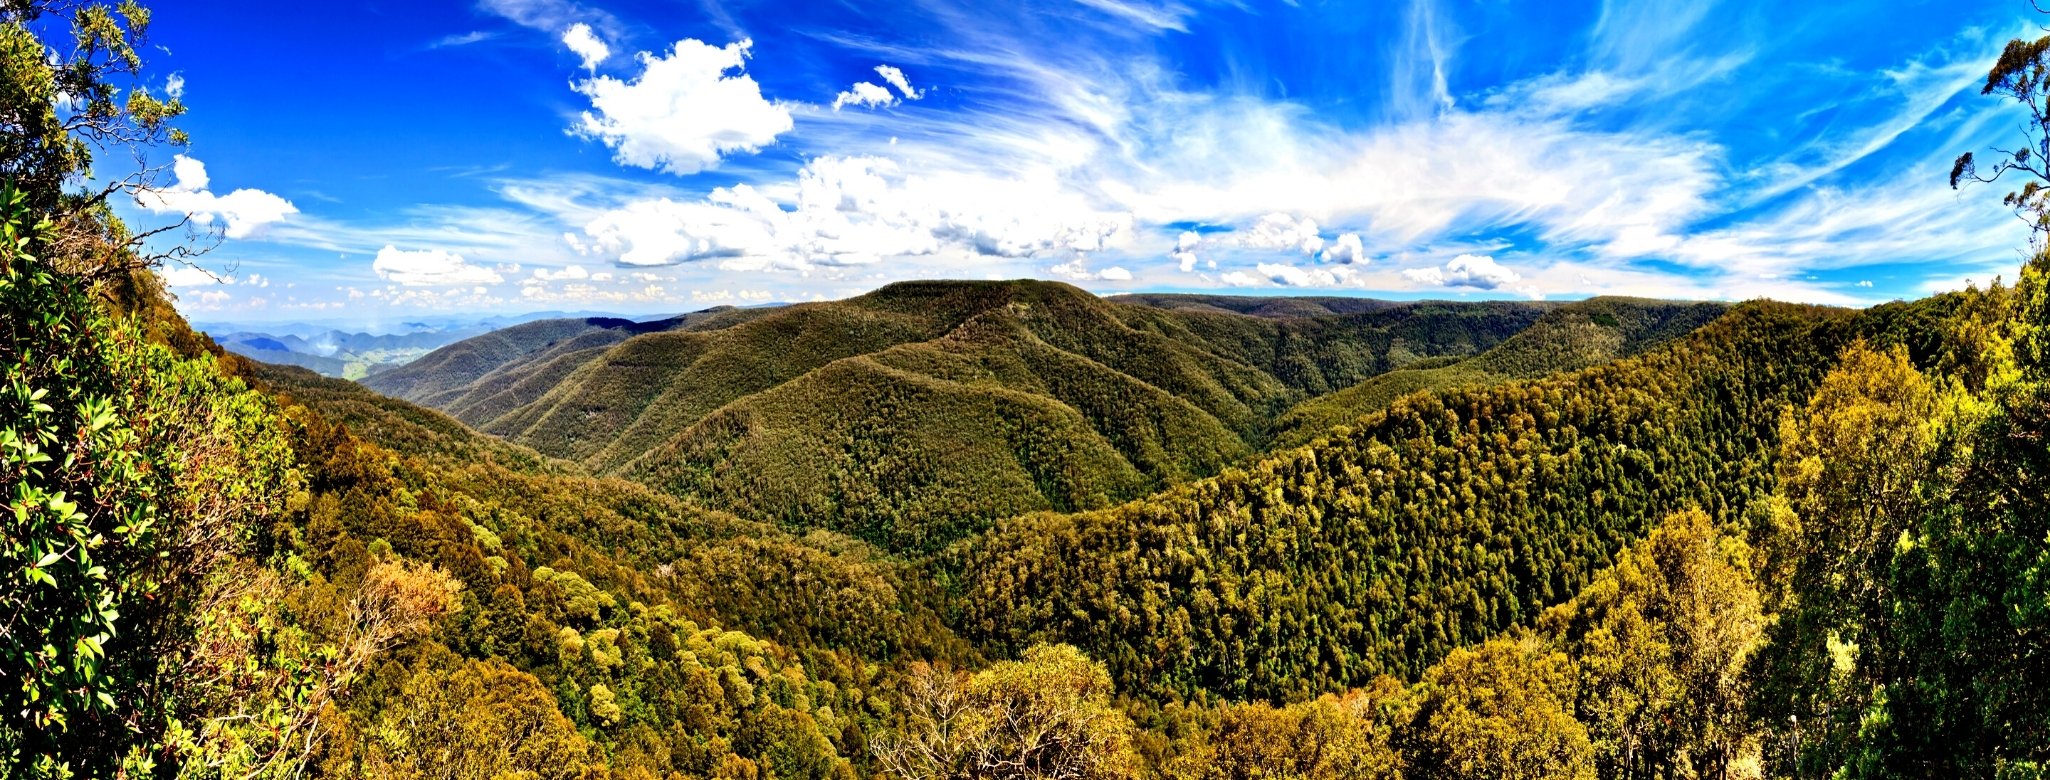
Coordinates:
[270,349]
[337,353]
[514,365]
[354,350]
[920,412]
[1574,336]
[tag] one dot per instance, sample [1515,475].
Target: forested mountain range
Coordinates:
[1574,336]
[918,413]
[1010,529]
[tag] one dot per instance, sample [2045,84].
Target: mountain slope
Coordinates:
[916,414]
[439,377]
[1432,524]
[1574,336]
[815,592]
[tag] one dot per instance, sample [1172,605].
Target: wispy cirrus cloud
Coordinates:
[1650,149]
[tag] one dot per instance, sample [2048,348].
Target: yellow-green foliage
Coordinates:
[1047,714]
[915,415]
[1502,711]
[1574,336]
[1436,523]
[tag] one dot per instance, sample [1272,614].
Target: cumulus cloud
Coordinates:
[872,95]
[1271,233]
[864,94]
[848,211]
[1346,250]
[175,86]
[586,45]
[1184,253]
[684,111]
[190,276]
[1281,232]
[896,79]
[1480,272]
[1078,270]
[244,212]
[430,267]
[1292,276]
[574,272]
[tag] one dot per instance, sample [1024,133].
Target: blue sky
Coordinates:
[369,160]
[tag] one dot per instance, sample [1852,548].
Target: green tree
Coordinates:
[1662,639]
[1501,710]
[471,719]
[131,475]
[1332,737]
[1852,464]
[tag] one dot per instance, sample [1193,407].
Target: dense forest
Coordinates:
[920,413]
[1005,530]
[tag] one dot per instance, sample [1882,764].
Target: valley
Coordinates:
[1105,391]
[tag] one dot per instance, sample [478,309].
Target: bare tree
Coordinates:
[1047,716]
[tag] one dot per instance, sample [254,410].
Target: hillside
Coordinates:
[1572,337]
[1434,523]
[1010,530]
[916,414]
[552,511]
[440,376]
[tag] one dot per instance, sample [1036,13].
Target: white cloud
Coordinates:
[864,94]
[1347,250]
[683,112]
[586,45]
[1166,16]
[244,212]
[1411,183]
[175,86]
[1271,233]
[857,211]
[896,79]
[1078,270]
[1281,232]
[189,276]
[574,272]
[872,95]
[1476,271]
[429,267]
[547,15]
[1293,276]
[724,296]
[453,40]
[1184,253]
